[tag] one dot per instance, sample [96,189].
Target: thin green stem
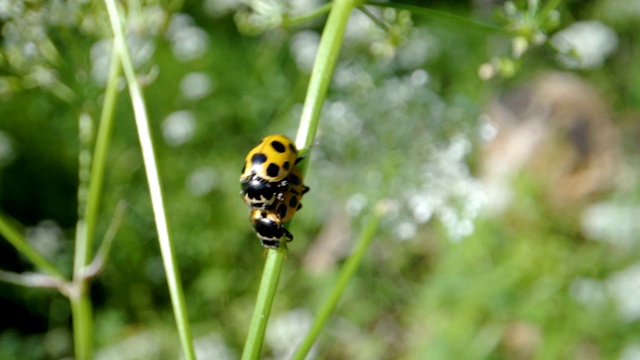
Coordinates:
[430,13]
[293,21]
[155,188]
[62,91]
[321,74]
[35,280]
[102,255]
[82,315]
[326,59]
[98,166]
[547,9]
[17,240]
[347,272]
[81,307]
[384,26]
[266,294]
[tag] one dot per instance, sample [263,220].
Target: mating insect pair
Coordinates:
[272,186]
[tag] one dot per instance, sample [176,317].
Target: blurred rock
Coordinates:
[557,129]
[521,340]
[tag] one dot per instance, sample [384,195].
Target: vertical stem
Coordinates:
[321,74]
[99,160]
[266,294]
[81,307]
[155,188]
[346,274]
[82,315]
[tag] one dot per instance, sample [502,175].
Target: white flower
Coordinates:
[188,42]
[585,44]
[625,287]
[202,180]
[195,85]
[179,127]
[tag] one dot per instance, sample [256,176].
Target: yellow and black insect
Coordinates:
[265,170]
[272,185]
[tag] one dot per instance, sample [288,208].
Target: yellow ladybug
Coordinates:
[265,170]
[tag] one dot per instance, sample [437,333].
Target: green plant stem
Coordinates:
[102,255]
[321,74]
[81,307]
[293,21]
[17,240]
[547,9]
[155,188]
[80,303]
[430,13]
[329,305]
[36,280]
[266,294]
[98,166]
[326,59]
[375,19]
[82,315]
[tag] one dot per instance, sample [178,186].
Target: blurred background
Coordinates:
[508,160]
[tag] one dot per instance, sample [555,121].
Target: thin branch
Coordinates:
[346,273]
[375,19]
[30,279]
[97,265]
[440,15]
[9,229]
[85,238]
[37,280]
[293,21]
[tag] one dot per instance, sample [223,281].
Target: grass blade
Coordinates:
[155,188]
[347,272]
[17,240]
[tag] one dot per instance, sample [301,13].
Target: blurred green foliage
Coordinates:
[527,284]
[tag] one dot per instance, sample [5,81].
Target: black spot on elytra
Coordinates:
[294,180]
[273,170]
[286,165]
[293,202]
[258,159]
[282,211]
[278,146]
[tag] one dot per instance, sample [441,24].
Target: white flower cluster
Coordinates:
[385,141]
[585,44]
[448,192]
